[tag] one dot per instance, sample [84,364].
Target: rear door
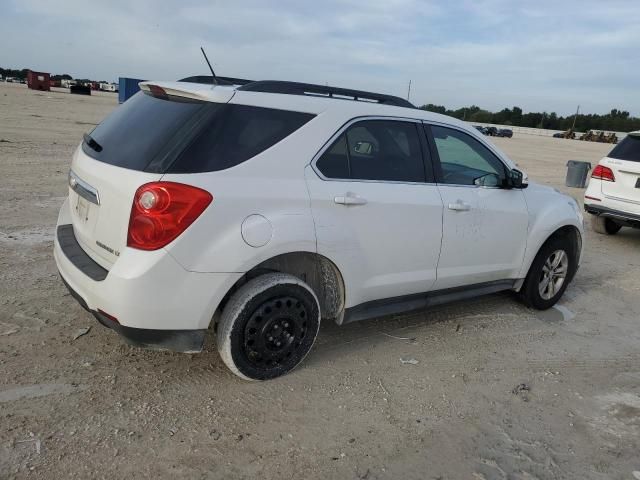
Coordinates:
[377,212]
[624,161]
[484,225]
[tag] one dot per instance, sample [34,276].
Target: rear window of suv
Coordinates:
[628,149]
[180,135]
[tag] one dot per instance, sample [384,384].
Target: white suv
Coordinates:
[267,207]
[613,194]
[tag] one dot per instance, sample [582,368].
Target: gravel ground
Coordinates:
[498,391]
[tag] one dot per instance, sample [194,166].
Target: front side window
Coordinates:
[465,161]
[384,150]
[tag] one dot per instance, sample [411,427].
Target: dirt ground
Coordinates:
[94,407]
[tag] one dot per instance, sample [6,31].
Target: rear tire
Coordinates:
[549,275]
[268,326]
[604,225]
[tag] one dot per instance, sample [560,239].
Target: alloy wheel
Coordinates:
[554,274]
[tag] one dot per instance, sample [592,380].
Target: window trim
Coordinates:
[424,153]
[437,166]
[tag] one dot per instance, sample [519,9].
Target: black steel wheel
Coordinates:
[275,331]
[268,326]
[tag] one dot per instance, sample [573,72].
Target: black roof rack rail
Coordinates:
[208,80]
[295,88]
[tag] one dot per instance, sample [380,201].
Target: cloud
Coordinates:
[539,55]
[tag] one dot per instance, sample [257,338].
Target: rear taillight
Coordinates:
[163,210]
[603,173]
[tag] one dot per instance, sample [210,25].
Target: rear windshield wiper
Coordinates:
[91,143]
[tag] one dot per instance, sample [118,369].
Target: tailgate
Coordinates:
[100,198]
[132,146]
[624,161]
[627,180]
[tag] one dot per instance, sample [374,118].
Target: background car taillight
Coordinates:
[161,211]
[603,173]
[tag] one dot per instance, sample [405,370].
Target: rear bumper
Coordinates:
[625,218]
[150,294]
[185,341]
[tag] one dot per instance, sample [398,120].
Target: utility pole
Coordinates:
[574,118]
[409,91]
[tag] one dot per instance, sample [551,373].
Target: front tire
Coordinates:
[549,275]
[268,326]
[604,225]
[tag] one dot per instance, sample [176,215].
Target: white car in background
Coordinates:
[269,207]
[613,194]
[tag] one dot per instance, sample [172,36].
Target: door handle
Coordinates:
[350,198]
[460,206]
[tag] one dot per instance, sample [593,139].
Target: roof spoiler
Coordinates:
[177,91]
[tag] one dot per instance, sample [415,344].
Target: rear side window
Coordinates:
[384,150]
[628,149]
[180,135]
[234,134]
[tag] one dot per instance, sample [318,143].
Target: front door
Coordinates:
[376,216]
[484,224]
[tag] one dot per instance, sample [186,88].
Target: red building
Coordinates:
[38,80]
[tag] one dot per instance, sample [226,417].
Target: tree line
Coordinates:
[615,120]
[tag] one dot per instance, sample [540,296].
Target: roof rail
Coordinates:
[208,80]
[295,88]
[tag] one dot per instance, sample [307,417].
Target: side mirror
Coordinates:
[517,179]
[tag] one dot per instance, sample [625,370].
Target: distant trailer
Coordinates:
[38,81]
[80,89]
[127,87]
[108,87]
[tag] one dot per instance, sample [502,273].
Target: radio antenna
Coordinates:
[215,79]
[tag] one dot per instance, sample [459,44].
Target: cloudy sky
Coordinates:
[539,55]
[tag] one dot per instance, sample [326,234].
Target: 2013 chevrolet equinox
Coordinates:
[269,206]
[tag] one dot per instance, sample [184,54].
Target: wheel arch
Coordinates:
[320,273]
[568,231]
